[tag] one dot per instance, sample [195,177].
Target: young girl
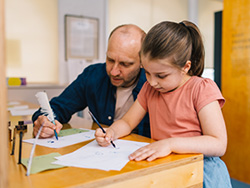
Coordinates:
[184,108]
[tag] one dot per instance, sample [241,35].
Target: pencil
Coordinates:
[100,127]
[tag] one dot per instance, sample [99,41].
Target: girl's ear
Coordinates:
[187,66]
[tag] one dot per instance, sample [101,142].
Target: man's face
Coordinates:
[122,61]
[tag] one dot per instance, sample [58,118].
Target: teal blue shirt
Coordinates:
[93,89]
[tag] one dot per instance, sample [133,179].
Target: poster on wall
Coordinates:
[81,37]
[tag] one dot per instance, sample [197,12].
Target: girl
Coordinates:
[184,108]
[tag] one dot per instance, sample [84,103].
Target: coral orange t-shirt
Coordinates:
[175,114]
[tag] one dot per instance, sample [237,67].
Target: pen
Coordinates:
[55,130]
[100,127]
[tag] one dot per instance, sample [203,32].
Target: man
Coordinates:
[107,89]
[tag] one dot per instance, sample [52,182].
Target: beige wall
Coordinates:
[32,40]
[146,13]
[207,8]
[35,37]
[32,31]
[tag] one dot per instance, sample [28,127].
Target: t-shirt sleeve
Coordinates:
[207,92]
[142,96]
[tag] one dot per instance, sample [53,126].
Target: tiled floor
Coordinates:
[238,184]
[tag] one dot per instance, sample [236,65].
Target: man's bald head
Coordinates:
[128,29]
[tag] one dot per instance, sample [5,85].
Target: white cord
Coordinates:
[32,151]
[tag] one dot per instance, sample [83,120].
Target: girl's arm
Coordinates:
[213,142]
[123,126]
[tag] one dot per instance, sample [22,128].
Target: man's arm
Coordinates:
[71,100]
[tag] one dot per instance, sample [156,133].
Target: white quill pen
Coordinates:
[45,106]
[46,109]
[32,152]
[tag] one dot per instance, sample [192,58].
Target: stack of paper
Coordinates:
[20,110]
[96,157]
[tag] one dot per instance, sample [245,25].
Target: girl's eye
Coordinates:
[162,76]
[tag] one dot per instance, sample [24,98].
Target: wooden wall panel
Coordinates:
[3,106]
[236,86]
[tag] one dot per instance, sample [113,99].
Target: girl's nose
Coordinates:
[115,70]
[153,82]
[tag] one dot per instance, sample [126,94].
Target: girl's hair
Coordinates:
[178,42]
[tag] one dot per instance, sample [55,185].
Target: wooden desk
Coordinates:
[172,171]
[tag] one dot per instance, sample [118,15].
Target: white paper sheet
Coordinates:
[23,112]
[65,140]
[104,158]
[11,103]
[21,107]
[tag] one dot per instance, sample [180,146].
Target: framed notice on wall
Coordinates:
[81,37]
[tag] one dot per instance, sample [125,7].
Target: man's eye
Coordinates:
[124,64]
[111,60]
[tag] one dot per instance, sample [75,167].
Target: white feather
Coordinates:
[45,106]
[32,151]
[46,109]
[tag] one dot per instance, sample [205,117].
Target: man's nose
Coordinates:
[115,70]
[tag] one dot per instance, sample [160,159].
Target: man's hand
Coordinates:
[48,127]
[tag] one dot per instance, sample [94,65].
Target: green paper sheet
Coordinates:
[67,132]
[42,163]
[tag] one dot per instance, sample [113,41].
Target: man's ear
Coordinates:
[140,59]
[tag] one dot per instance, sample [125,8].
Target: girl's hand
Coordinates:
[152,151]
[104,139]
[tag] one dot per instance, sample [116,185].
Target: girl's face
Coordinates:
[163,76]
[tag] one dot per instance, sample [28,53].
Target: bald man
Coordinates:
[107,89]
